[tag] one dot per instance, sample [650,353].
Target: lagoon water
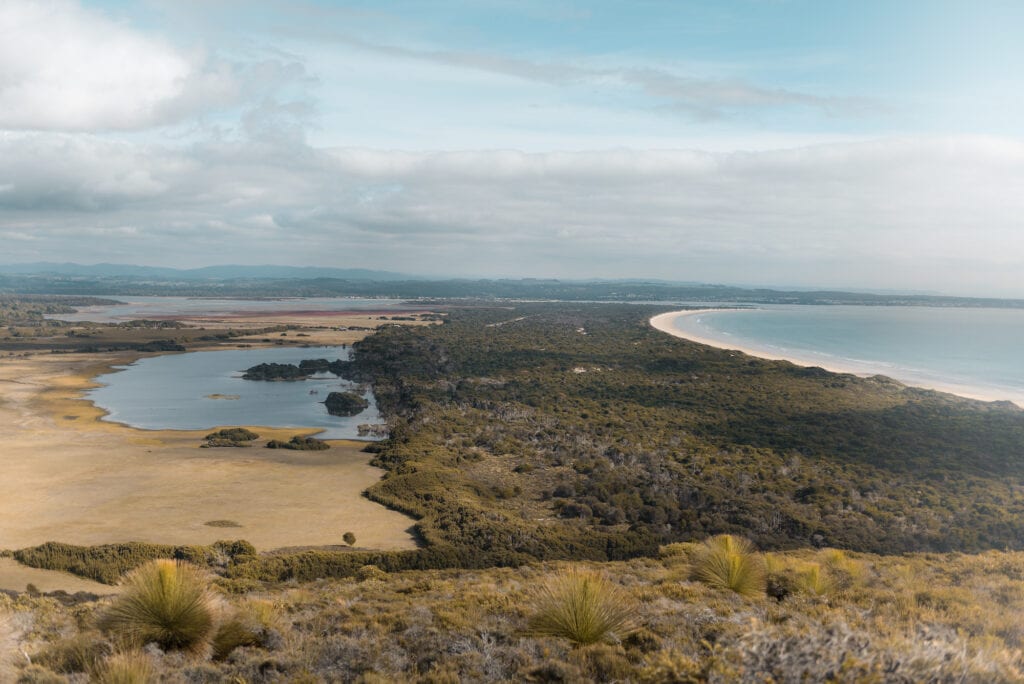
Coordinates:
[173,392]
[971,351]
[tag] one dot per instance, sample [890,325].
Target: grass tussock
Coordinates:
[253,623]
[730,563]
[583,607]
[825,574]
[129,667]
[79,652]
[164,602]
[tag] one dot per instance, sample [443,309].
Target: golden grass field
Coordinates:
[70,477]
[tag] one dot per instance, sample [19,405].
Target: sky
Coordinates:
[789,143]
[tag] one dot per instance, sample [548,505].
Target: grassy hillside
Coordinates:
[938,618]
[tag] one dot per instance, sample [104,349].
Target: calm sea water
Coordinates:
[172,392]
[970,351]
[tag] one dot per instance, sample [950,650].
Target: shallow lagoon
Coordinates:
[203,390]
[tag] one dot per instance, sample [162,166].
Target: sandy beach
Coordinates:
[70,477]
[664,323]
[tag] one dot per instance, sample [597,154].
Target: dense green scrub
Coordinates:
[575,431]
[563,430]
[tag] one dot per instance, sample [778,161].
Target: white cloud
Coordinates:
[890,213]
[695,97]
[67,68]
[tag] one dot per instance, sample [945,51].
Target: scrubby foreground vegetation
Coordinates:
[834,617]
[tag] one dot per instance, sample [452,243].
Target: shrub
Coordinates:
[582,607]
[230,437]
[299,443]
[131,667]
[349,538]
[167,602]
[730,562]
[236,434]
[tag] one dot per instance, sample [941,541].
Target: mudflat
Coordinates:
[69,477]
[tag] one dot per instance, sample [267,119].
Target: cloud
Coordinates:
[66,68]
[698,98]
[890,213]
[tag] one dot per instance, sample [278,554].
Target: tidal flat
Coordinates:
[70,477]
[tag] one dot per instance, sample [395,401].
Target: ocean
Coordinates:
[970,351]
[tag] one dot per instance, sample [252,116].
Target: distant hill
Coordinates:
[111,280]
[224,272]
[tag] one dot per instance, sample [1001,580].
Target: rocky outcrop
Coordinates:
[372,430]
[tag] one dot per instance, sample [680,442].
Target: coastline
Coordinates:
[663,323]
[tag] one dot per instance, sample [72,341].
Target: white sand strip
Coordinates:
[664,323]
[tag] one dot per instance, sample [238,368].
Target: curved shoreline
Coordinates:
[663,323]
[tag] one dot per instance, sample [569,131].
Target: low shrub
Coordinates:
[234,434]
[299,443]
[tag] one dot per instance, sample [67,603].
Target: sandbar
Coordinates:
[664,323]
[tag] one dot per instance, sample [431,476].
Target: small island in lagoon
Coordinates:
[344,404]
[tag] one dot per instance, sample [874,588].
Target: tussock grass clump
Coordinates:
[79,652]
[37,674]
[166,602]
[583,607]
[816,580]
[252,624]
[130,667]
[730,562]
[846,572]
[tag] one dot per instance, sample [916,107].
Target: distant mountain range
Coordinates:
[225,272]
